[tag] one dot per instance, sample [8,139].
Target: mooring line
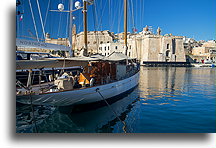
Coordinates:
[125,126]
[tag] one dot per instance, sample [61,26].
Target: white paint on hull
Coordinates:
[82,96]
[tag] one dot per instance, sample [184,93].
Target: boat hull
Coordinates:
[82,96]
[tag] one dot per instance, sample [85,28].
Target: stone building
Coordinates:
[149,47]
[205,52]
[158,48]
[59,41]
[189,44]
[107,48]
[94,39]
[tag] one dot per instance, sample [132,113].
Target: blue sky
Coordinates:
[191,18]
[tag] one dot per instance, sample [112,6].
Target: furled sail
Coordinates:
[34,44]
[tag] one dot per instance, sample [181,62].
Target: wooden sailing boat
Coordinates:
[102,78]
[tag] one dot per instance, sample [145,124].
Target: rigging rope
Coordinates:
[95,26]
[67,30]
[33,20]
[109,16]
[100,22]
[41,18]
[113,20]
[59,25]
[46,13]
[132,15]
[120,14]
[143,10]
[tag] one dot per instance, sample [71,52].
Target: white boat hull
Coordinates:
[82,96]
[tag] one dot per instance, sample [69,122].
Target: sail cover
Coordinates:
[34,44]
[40,64]
[32,64]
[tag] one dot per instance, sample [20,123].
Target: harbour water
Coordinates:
[167,100]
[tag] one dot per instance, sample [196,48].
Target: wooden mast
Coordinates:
[85,27]
[125,26]
[70,29]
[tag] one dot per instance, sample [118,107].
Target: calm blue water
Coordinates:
[167,100]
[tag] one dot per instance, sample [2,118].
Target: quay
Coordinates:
[166,64]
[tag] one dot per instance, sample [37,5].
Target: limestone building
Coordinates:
[94,39]
[158,48]
[149,47]
[59,41]
[205,52]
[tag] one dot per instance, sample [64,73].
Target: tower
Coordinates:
[74,37]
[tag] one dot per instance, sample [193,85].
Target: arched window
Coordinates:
[167,53]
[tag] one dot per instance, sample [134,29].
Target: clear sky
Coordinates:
[190,18]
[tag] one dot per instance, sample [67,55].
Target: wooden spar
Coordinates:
[125,26]
[70,29]
[85,27]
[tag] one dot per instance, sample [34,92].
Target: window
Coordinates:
[116,47]
[129,54]
[105,48]
[105,54]
[167,46]
[173,46]
[108,47]
[167,53]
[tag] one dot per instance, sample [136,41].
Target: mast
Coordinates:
[70,27]
[125,26]
[85,27]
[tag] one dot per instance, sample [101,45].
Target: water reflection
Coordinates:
[168,99]
[175,99]
[161,82]
[96,120]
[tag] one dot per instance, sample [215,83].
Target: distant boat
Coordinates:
[203,64]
